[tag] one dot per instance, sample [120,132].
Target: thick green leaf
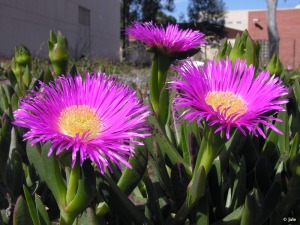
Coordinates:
[53,173]
[14,102]
[27,77]
[195,191]
[35,159]
[283,139]
[263,174]
[216,188]
[271,201]
[47,76]
[296,88]
[160,166]
[31,207]
[5,135]
[4,99]
[248,216]
[21,214]
[131,177]
[153,202]
[12,78]
[202,214]
[196,187]
[233,218]
[238,189]
[41,211]
[119,202]
[294,146]
[14,172]
[180,181]
[184,144]
[165,145]
[48,170]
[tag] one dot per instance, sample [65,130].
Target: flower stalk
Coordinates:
[73,182]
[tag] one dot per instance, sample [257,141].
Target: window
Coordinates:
[84,16]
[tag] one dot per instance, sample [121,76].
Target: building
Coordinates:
[236,21]
[289,33]
[92,27]
[255,21]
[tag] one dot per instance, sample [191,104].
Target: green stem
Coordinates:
[66,218]
[154,93]
[209,150]
[160,66]
[164,63]
[73,182]
[208,157]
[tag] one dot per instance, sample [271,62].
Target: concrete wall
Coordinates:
[236,19]
[289,33]
[29,22]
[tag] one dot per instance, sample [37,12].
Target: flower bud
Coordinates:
[22,56]
[275,66]
[244,48]
[58,53]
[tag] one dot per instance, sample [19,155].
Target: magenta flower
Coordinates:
[169,41]
[229,96]
[97,118]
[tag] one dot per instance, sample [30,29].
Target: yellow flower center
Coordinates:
[79,119]
[226,100]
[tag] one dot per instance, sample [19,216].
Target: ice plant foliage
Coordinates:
[169,40]
[229,95]
[97,118]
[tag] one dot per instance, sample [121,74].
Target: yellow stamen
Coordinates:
[79,119]
[226,99]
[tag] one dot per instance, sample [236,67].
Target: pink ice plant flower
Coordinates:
[170,39]
[95,117]
[229,95]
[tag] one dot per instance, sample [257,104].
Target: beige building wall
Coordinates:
[236,19]
[92,27]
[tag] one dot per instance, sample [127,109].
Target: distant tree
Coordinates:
[181,18]
[209,15]
[272,27]
[206,10]
[162,18]
[145,10]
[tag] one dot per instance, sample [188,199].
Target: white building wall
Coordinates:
[28,22]
[236,19]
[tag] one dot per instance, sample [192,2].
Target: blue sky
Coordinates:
[181,5]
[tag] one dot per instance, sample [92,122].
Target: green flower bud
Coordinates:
[275,66]
[238,50]
[244,48]
[58,53]
[252,52]
[23,56]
